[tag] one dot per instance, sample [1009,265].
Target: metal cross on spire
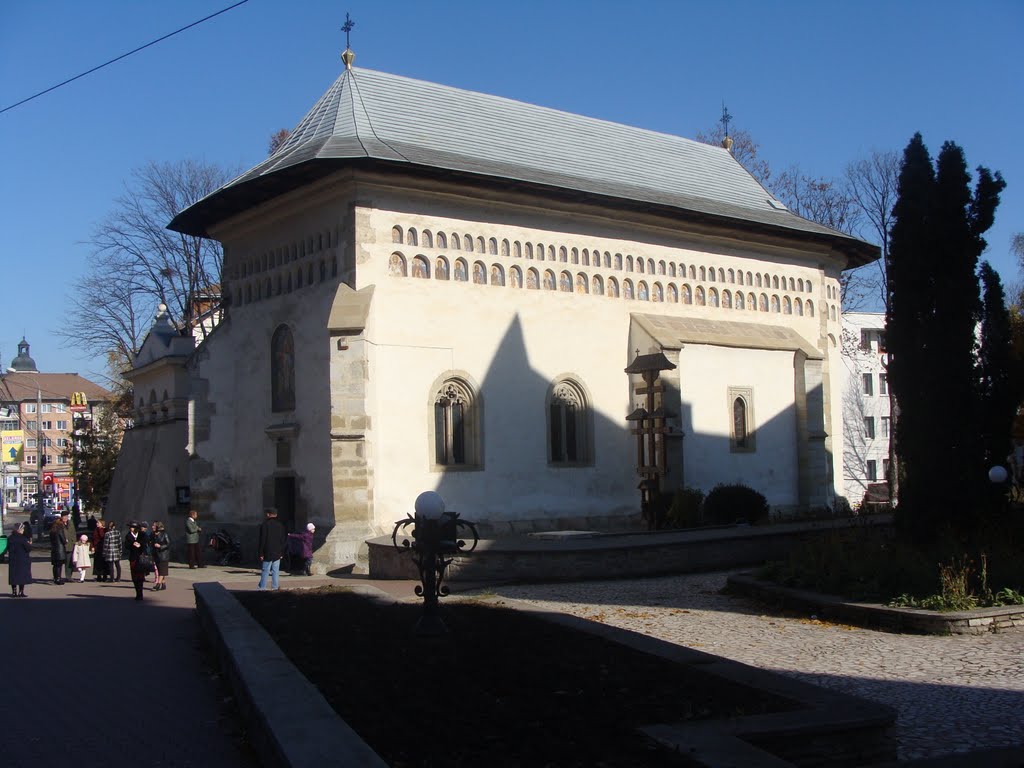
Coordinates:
[347,28]
[726,117]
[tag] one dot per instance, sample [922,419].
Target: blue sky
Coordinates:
[817,84]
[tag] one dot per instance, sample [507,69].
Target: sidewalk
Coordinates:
[92,677]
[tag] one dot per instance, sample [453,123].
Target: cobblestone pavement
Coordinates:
[953,694]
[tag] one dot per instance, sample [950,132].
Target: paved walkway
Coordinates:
[92,677]
[953,694]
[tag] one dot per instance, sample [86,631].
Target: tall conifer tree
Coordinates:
[933,311]
[998,381]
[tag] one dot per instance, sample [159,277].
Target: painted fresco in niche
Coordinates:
[581,283]
[479,274]
[396,266]
[516,277]
[565,282]
[460,271]
[532,280]
[497,275]
[282,370]
[441,269]
[420,268]
[549,281]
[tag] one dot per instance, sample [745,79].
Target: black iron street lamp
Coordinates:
[435,542]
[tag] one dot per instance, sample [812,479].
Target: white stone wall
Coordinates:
[362,450]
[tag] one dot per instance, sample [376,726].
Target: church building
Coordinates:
[429,288]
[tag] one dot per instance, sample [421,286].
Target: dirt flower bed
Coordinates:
[501,689]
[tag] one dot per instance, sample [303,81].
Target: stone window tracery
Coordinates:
[456,425]
[569,425]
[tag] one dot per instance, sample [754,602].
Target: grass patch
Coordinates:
[501,689]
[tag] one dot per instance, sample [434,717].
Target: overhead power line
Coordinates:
[123,56]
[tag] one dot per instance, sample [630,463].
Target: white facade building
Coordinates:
[432,289]
[867,426]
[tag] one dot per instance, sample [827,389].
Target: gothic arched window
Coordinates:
[741,431]
[282,370]
[456,425]
[568,424]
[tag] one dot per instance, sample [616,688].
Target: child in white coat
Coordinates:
[81,556]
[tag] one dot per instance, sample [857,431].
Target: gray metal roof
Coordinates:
[379,116]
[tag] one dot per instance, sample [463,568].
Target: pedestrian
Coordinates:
[81,556]
[71,534]
[112,548]
[140,559]
[91,522]
[58,549]
[272,538]
[161,554]
[99,530]
[193,532]
[305,542]
[19,559]
[145,533]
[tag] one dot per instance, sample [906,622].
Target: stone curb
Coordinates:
[288,721]
[872,615]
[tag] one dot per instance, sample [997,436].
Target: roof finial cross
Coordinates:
[347,28]
[347,56]
[726,117]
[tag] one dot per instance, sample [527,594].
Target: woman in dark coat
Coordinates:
[19,553]
[136,544]
[161,543]
[58,549]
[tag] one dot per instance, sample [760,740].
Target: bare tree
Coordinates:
[871,185]
[744,149]
[277,140]
[137,262]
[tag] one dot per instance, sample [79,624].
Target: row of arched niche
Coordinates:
[534,279]
[596,258]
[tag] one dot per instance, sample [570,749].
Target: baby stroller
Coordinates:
[227,548]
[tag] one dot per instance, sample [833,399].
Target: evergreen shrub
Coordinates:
[727,504]
[686,510]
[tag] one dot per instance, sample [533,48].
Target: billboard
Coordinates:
[79,404]
[13,446]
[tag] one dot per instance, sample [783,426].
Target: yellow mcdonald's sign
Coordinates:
[13,445]
[78,402]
